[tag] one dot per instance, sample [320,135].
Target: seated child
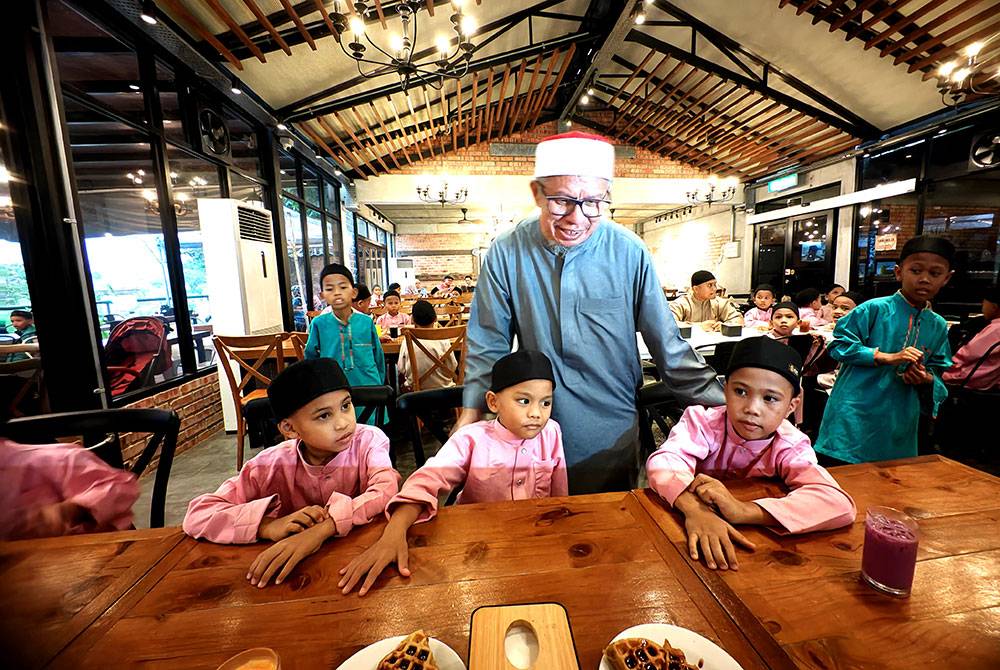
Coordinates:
[888,348]
[329,476]
[842,304]
[759,316]
[748,437]
[392,318]
[424,316]
[362,301]
[517,456]
[784,321]
[987,375]
[809,306]
[826,311]
[61,489]
[375,300]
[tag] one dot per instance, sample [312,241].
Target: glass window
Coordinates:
[334,243]
[243,141]
[893,165]
[967,212]
[170,107]
[298,270]
[310,186]
[193,178]
[289,182]
[317,257]
[124,243]
[351,243]
[245,189]
[884,227]
[94,65]
[330,201]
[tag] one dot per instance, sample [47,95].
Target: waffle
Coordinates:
[642,654]
[413,653]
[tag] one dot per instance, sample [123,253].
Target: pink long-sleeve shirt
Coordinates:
[38,476]
[756,316]
[704,441]
[987,375]
[354,486]
[387,321]
[813,317]
[491,464]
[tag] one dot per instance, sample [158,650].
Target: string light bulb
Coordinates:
[357,26]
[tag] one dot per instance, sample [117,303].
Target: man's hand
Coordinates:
[296,522]
[280,558]
[711,325]
[468,415]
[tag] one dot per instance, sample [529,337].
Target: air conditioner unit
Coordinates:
[241,274]
[401,270]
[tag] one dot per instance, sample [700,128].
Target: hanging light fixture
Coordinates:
[715,190]
[450,59]
[148,13]
[973,74]
[443,196]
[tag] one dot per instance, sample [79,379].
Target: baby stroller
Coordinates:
[137,349]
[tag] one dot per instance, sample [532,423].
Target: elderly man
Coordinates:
[578,287]
[700,304]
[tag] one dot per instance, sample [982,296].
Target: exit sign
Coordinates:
[782,183]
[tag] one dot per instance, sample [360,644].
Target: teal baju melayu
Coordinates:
[582,306]
[872,415]
[354,345]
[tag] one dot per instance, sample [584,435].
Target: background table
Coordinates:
[601,556]
[806,589]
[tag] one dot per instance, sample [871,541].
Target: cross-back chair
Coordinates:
[451,364]
[452,314]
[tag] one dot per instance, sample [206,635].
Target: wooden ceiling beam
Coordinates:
[377,146]
[350,133]
[699,136]
[683,126]
[536,103]
[266,23]
[514,98]
[958,29]
[933,24]
[805,6]
[902,23]
[547,100]
[789,141]
[759,129]
[665,112]
[889,9]
[486,109]
[181,12]
[630,102]
[322,144]
[326,18]
[394,141]
[381,15]
[833,6]
[494,119]
[227,18]
[648,107]
[948,51]
[293,15]
[857,11]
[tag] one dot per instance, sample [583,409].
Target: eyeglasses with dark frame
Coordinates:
[562,205]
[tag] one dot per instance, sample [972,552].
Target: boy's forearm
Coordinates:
[687,502]
[403,516]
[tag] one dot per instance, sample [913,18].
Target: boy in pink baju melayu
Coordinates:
[331,475]
[749,437]
[517,456]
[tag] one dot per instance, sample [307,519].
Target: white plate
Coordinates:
[694,646]
[369,657]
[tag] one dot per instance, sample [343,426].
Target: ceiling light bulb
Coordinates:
[134,87]
[960,74]
[443,45]
[590,91]
[147,194]
[4,174]
[282,126]
[584,99]
[973,49]
[173,175]
[640,18]
[395,42]
[357,26]
[468,26]
[183,197]
[865,211]
[337,172]
[946,69]
[236,90]
[148,12]
[457,4]
[140,172]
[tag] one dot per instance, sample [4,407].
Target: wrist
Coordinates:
[263,527]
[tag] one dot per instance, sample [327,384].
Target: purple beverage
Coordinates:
[890,551]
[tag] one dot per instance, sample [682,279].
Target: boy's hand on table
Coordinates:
[713,534]
[390,548]
[714,493]
[907,355]
[280,558]
[296,522]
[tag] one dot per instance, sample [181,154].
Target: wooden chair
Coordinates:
[248,355]
[26,376]
[452,312]
[298,341]
[451,363]
[377,311]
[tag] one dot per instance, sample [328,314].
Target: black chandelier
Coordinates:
[451,60]
[972,74]
[715,190]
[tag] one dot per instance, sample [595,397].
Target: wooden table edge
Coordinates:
[760,640]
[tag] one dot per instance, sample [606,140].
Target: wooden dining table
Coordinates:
[158,599]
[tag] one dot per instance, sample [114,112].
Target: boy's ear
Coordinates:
[794,404]
[951,273]
[898,272]
[354,294]
[491,402]
[287,429]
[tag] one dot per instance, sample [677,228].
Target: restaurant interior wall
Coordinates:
[955,198]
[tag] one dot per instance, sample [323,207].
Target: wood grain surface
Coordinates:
[807,592]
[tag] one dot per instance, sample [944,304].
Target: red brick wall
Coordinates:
[476,160]
[434,266]
[196,402]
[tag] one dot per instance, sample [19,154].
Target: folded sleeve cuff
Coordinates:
[427,501]
[247,520]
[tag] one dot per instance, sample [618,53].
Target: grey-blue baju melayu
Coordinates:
[582,307]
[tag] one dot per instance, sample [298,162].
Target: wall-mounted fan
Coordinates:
[214,133]
[985,151]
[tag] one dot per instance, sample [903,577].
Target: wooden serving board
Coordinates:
[549,623]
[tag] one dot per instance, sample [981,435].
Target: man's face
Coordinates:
[704,291]
[572,228]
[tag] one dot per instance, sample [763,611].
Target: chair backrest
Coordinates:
[298,341]
[719,359]
[377,311]
[982,359]
[101,431]
[451,364]
[249,353]
[376,401]
[453,312]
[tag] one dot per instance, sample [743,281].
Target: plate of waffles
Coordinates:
[416,651]
[662,646]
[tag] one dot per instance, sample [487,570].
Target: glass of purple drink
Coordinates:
[890,553]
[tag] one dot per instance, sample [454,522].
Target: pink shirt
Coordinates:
[387,321]
[813,317]
[36,476]
[491,464]
[987,375]
[757,317]
[704,441]
[354,487]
